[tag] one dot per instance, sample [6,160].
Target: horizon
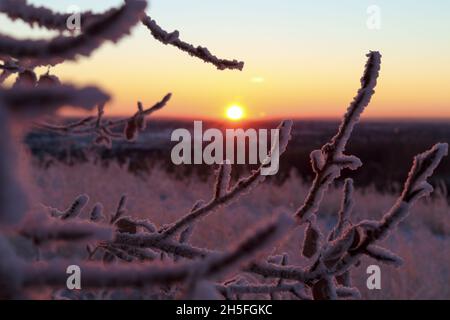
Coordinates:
[272,119]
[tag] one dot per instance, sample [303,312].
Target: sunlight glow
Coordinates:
[235,112]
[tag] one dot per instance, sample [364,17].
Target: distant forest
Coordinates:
[385,147]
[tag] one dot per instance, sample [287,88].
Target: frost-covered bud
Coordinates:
[48,80]
[97,213]
[26,78]
[312,240]
[317,160]
[76,207]
[131,129]
[350,162]
[384,255]
[186,234]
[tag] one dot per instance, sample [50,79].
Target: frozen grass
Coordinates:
[422,240]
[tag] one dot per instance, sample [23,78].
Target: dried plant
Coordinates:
[125,252]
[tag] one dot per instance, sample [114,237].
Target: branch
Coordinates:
[95,274]
[345,211]
[383,255]
[74,210]
[367,233]
[43,17]
[41,228]
[223,197]
[32,102]
[111,26]
[47,18]
[330,160]
[199,52]
[166,245]
[103,129]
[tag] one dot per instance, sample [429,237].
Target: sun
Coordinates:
[235,112]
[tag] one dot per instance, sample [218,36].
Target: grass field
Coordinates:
[422,241]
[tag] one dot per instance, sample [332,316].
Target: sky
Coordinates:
[303,59]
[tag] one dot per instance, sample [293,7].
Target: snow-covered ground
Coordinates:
[423,240]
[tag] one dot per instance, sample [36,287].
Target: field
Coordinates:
[162,193]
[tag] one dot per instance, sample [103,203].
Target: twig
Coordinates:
[330,160]
[222,195]
[102,128]
[198,52]
[109,27]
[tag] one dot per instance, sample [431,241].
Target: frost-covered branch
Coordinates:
[345,211]
[264,269]
[31,102]
[166,245]
[41,228]
[289,272]
[103,129]
[281,260]
[313,240]
[224,195]
[130,253]
[74,210]
[47,18]
[344,252]
[111,26]
[383,255]
[328,162]
[173,38]
[42,16]
[416,187]
[337,256]
[96,275]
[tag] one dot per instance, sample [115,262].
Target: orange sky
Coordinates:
[302,60]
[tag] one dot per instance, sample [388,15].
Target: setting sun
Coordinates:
[235,112]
